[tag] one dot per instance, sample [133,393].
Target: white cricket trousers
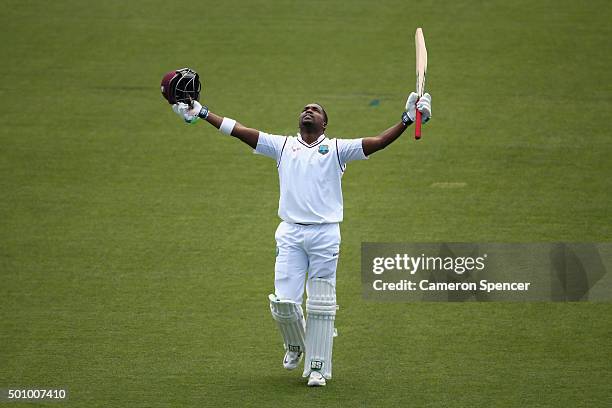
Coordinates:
[301,250]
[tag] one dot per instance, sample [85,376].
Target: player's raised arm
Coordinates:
[376,143]
[190,114]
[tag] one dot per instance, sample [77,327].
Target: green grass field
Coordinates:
[137,253]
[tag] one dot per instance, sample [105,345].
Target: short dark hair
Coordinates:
[324,113]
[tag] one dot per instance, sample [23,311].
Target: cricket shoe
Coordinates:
[292,359]
[316,379]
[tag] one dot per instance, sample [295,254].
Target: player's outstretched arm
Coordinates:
[226,125]
[373,144]
[247,135]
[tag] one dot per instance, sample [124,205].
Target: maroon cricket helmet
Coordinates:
[182,85]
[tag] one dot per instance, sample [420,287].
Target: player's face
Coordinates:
[312,116]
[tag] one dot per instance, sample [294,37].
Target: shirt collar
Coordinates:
[320,138]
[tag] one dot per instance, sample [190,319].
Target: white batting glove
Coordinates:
[411,106]
[195,109]
[423,105]
[185,112]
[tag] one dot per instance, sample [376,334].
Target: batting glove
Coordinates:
[423,105]
[411,106]
[186,112]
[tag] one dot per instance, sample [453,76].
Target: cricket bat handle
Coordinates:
[417,125]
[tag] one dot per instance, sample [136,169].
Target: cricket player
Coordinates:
[310,168]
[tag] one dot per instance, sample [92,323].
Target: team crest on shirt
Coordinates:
[324,149]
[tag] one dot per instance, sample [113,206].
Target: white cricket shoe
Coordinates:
[292,359]
[316,379]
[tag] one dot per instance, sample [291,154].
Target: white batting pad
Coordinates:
[290,319]
[321,308]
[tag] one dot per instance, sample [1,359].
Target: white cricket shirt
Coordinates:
[310,175]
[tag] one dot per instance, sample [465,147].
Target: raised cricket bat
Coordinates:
[421,70]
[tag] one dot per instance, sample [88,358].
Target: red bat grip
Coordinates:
[417,125]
